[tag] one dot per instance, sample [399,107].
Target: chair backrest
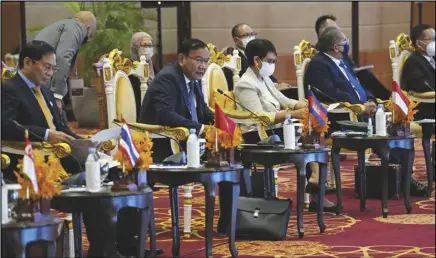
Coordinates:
[399,50]
[302,55]
[114,89]
[215,79]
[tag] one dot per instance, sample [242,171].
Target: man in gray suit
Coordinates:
[66,37]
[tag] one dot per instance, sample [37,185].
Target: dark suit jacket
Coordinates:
[20,104]
[418,75]
[322,73]
[244,65]
[166,101]
[367,78]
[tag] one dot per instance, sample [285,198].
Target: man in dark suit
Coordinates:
[332,77]
[175,97]
[366,77]
[27,101]
[242,34]
[418,72]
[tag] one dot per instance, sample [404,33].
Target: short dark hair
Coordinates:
[260,48]
[190,44]
[34,50]
[417,32]
[322,20]
[328,37]
[235,29]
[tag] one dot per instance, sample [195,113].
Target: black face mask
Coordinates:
[85,40]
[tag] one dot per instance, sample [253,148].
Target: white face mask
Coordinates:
[146,51]
[430,49]
[246,40]
[267,69]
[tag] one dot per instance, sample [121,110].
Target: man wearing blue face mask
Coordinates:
[365,76]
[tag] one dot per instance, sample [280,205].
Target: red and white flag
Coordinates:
[401,102]
[28,165]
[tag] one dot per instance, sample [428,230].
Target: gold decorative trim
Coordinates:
[119,62]
[180,133]
[6,74]
[61,150]
[404,43]
[306,49]
[216,56]
[5,161]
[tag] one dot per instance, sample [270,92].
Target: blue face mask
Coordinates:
[346,48]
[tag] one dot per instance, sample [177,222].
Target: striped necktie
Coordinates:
[44,108]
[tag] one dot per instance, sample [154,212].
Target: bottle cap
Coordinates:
[288,116]
[192,131]
[91,150]
[380,105]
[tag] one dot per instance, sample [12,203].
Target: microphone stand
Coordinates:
[273,139]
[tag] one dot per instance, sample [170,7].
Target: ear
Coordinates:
[26,62]
[180,58]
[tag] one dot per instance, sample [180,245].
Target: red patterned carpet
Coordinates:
[352,234]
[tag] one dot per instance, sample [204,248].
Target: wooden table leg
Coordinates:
[152,230]
[232,230]
[427,132]
[143,230]
[301,177]
[174,200]
[407,166]
[335,155]
[246,179]
[384,156]
[362,175]
[77,229]
[210,206]
[322,182]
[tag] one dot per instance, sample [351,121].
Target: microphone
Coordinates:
[273,139]
[76,179]
[175,159]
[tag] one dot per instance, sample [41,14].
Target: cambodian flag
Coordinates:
[318,111]
[126,145]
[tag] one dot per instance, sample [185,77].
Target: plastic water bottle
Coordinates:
[370,129]
[289,133]
[380,121]
[193,146]
[92,172]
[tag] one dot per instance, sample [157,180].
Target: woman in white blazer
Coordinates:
[256,92]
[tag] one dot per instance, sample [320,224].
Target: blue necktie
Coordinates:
[191,98]
[355,83]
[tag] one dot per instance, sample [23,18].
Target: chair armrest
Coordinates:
[61,150]
[5,161]
[179,133]
[426,97]
[346,107]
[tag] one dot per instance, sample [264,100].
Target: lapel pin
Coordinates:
[51,103]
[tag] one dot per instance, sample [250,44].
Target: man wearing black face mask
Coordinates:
[366,77]
[66,37]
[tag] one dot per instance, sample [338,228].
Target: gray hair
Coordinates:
[329,37]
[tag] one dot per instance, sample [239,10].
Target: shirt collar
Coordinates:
[429,58]
[186,79]
[242,51]
[29,83]
[337,61]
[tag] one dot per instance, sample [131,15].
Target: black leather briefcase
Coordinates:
[262,219]
[373,181]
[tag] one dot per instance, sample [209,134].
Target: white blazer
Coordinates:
[250,91]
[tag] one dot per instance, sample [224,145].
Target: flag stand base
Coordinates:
[222,158]
[313,141]
[399,129]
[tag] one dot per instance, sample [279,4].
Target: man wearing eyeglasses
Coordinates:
[174,97]
[27,101]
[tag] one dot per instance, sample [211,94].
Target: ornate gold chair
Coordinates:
[115,95]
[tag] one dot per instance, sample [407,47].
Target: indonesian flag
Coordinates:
[400,101]
[28,165]
[223,122]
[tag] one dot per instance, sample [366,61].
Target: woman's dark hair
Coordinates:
[34,50]
[260,48]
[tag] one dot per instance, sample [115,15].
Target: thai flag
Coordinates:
[126,145]
[316,109]
[399,99]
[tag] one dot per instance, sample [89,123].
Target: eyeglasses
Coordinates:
[47,67]
[432,39]
[148,45]
[200,61]
[250,34]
